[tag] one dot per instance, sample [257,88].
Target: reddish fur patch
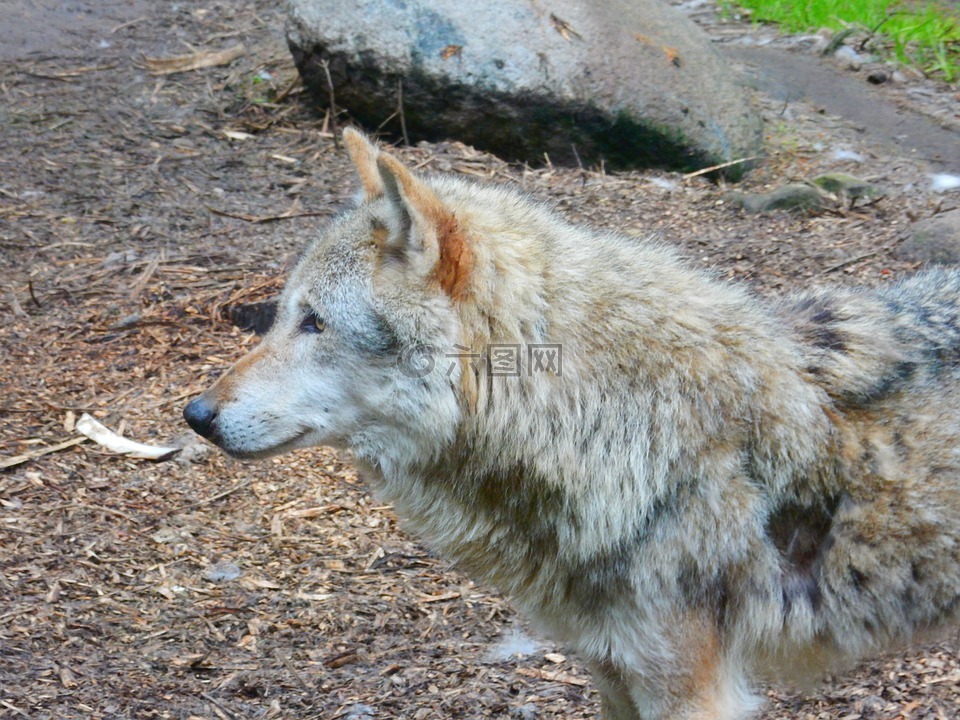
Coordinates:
[456,260]
[225,387]
[701,691]
[705,653]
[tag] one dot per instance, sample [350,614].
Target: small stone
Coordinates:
[524,712]
[872,706]
[222,572]
[358,711]
[853,59]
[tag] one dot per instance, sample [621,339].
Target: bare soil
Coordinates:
[135,211]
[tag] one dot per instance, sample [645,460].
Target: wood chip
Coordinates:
[561,677]
[442,597]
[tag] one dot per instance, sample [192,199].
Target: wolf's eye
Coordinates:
[313,323]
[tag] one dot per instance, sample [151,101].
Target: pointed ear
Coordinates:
[428,226]
[364,154]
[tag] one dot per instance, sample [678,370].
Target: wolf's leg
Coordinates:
[627,696]
[615,700]
[690,677]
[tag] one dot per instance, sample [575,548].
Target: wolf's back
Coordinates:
[862,345]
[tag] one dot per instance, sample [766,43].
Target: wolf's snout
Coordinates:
[200,414]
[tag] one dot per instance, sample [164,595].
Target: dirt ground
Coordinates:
[136,210]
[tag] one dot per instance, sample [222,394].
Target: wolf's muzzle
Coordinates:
[200,414]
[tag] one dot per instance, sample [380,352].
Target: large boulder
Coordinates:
[632,82]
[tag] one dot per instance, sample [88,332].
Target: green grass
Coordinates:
[923,35]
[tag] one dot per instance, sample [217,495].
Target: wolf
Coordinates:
[694,489]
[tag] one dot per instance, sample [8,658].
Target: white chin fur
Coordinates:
[305,439]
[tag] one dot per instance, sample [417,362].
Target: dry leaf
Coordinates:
[451,51]
[673,55]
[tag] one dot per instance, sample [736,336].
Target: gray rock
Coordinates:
[358,711]
[795,196]
[873,706]
[844,185]
[838,183]
[192,450]
[935,240]
[633,82]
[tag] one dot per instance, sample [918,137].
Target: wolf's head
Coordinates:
[356,355]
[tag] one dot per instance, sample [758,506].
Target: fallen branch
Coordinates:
[856,259]
[721,166]
[333,104]
[33,455]
[193,61]
[14,708]
[266,218]
[69,73]
[403,118]
[214,498]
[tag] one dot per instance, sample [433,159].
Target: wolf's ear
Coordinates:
[427,227]
[364,154]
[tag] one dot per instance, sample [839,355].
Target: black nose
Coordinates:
[200,414]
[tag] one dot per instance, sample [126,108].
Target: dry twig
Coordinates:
[193,61]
